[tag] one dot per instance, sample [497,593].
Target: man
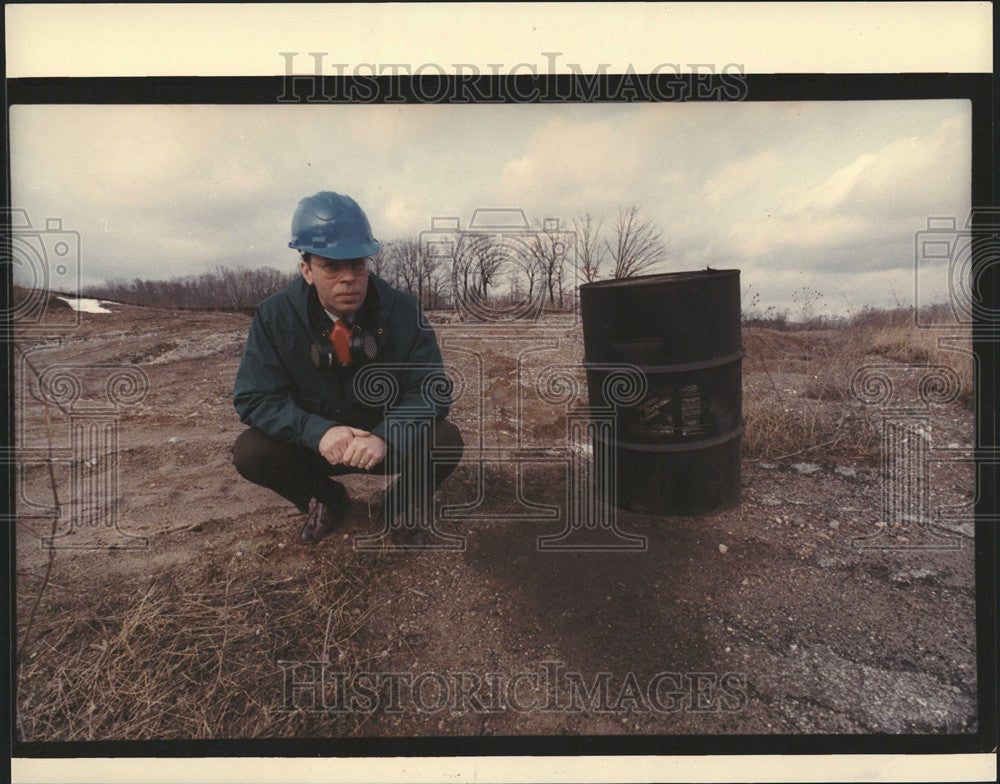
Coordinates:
[300,385]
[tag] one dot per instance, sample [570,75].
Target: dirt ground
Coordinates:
[811,607]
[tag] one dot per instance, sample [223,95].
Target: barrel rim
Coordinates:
[660,277]
[661,447]
[684,367]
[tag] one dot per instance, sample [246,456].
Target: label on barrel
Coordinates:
[691,419]
[669,412]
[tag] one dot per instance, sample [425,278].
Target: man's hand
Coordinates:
[351,446]
[337,440]
[364,452]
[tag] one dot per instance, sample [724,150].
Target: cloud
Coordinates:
[574,161]
[384,127]
[805,188]
[911,174]
[738,177]
[877,199]
[766,234]
[399,215]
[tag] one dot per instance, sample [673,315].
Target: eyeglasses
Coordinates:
[337,266]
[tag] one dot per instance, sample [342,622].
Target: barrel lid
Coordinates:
[663,277]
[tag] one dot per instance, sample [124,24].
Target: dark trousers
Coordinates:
[300,474]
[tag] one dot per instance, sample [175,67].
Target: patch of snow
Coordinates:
[85,305]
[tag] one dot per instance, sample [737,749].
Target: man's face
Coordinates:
[341,284]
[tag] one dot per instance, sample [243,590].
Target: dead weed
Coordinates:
[773,433]
[913,346]
[170,661]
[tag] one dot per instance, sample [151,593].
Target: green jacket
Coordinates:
[280,391]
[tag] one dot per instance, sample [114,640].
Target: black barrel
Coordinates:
[677,438]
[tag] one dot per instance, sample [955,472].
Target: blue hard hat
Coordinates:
[333,226]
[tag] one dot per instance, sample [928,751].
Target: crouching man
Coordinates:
[342,374]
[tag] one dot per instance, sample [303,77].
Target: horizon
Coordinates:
[826,195]
[751,317]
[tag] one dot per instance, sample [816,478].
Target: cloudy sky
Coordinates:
[824,196]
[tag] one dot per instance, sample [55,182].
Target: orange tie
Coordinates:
[340,336]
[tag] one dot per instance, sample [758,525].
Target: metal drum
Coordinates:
[676,445]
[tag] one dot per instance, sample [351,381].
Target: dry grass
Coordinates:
[914,346]
[803,408]
[769,345]
[818,418]
[895,336]
[169,661]
[904,344]
[774,433]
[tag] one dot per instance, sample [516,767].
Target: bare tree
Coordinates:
[383,264]
[515,292]
[590,251]
[463,270]
[478,261]
[407,257]
[489,258]
[546,251]
[638,245]
[442,289]
[561,272]
[428,280]
[528,264]
[410,265]
[435,283]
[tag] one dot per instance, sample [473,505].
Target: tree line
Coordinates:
[225,288]
[545,261]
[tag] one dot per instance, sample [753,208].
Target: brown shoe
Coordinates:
[320,521]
